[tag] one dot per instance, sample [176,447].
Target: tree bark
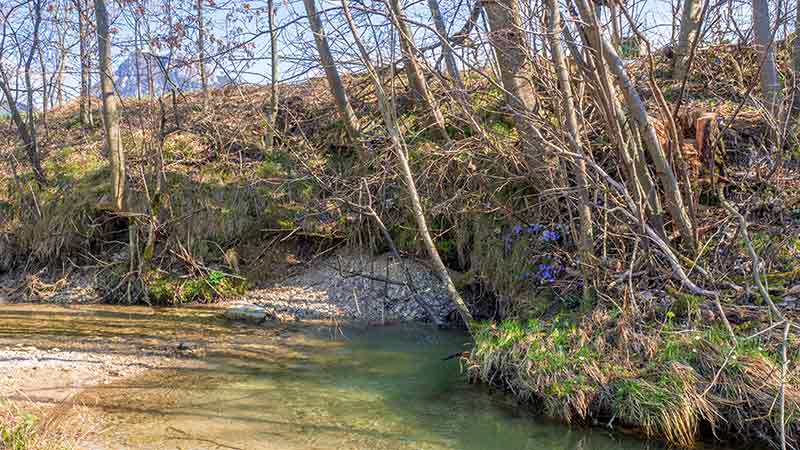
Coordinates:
[770,85]
[512,50]
[400,152]
[416,78]
[110,111]
[45,88]
[616,33]
[22,131]
[346,113]
[273,99]
[689,30]
[586,240]
[33,153]
[447,48]
[201,31]
[137,61]
[796,66]
[452,68]
[638,111]
[83,45]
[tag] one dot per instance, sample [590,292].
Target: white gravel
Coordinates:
[361,288]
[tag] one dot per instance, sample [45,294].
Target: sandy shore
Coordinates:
[51,376]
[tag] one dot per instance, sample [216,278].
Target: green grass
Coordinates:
[173,290]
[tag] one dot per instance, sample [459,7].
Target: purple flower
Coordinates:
[524,276]
[551,235]
[509,242]
[517,229]
[546,273]
[535,228]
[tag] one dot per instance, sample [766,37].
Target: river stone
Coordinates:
[246,313]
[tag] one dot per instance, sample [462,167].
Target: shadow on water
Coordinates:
[293,387]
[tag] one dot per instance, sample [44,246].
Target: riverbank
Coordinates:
[678,383]
[289,387]
[346,287]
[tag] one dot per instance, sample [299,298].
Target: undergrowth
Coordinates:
[22,430]
[665,382]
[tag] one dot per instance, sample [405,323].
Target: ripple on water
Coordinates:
[293,388]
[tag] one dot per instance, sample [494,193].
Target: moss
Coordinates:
[173,290]
[275,164]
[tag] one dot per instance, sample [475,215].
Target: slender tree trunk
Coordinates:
[626,137]
[22,131]
[447,48]
[110,112]
[689,31]
[32,146]
[616,34]
[201,50]
[346,113]
[83,44]
[137,58]
[151,79]
[416,78]
[796,65]
[513,52]
[273,99]
[400,151]
[586,241]
[512,49]
[45,88]
[60,79]
[452,68]
[770,85]
[638,111]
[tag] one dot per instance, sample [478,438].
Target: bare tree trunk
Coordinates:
[616,34]
[796,46]
[83,44]
[201,31]
[452,68]
[151,79]
[586,241]
[447,48]
[57,81]
[626,137]
[638,111]
[796,65]
[770,85]
[45,88]
[110,112]
[335,84]
[32,146]
[512,50]
[689,30]
[416,78]
[400,151]
[137,61]
[22,131]
[273,99]
[60,75]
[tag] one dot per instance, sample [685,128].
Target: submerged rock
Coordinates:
[246,313]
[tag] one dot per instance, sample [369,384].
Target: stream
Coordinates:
[289,387]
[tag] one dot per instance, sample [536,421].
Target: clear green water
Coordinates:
[293,387]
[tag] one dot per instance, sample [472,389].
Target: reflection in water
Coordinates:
[296,388]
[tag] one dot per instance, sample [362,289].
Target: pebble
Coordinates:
[352,288]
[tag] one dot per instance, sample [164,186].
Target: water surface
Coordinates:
[293,387]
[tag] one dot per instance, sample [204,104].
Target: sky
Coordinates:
[245,23]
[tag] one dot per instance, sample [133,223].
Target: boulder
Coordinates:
[246,313]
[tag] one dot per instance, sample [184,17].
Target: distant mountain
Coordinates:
[185,76]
